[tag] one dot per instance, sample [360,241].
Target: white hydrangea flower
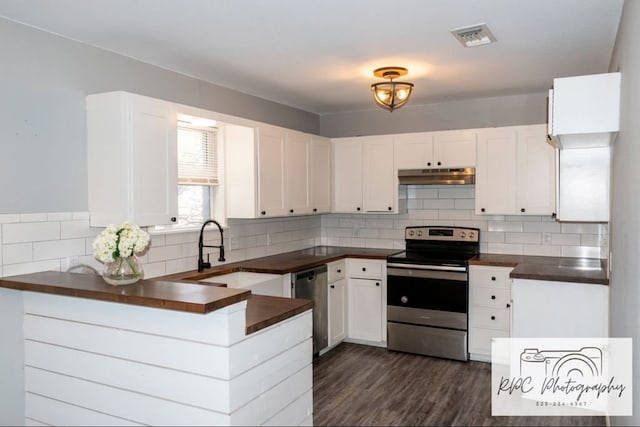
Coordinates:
[119,242]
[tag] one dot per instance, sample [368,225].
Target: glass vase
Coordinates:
[122,271]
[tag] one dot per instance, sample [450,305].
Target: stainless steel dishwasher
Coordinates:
[312,284]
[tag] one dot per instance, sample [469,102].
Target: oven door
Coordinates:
[441,289]
[427,310]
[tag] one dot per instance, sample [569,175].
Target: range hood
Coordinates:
[448,176]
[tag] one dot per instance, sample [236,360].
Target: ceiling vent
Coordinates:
[474,35]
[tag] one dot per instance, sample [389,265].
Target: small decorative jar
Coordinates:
[123,271]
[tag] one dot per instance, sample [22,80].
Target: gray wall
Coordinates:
[625,212]
[527,109]
[43,83]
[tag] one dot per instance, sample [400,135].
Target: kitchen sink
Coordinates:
[257,283]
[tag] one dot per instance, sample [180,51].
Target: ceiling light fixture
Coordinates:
[391,95]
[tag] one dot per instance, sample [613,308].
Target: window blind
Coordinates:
[197,156]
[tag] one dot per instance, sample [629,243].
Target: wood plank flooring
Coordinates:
[358,385]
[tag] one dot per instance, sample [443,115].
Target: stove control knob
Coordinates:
[404,299]
[419,233]
[411,233]
[463,234]
[471,235]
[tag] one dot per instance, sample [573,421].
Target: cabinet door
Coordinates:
[454,149]
[536,172]
[347,175]
[271,180]
[337,311]
[496,171]
[297,150]
[365,309]
[154,166]
[131,159]
[320,175]
[379,181]
[413,150]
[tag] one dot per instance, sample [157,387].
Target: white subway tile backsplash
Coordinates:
[529,238]
[30,232]
[57,249]
[17,253]
[8,218]
[33,217]
[45,243]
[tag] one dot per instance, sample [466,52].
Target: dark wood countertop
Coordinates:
[556,269]
[287,262]
[184,292]
[190,297]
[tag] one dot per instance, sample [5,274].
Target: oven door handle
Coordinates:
[427,267]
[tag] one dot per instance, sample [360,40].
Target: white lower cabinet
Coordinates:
[489,308]
[544,308]
[337,302]
[367,301]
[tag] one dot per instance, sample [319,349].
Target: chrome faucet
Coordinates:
[201,263]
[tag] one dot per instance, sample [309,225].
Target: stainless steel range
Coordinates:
[428,291]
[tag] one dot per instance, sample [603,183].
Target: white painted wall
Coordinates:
[625,210]
[524,109]
[44,81]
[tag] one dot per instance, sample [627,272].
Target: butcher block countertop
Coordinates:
[287,262]
[555,269]
[184,292]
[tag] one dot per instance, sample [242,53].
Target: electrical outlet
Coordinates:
[68,263]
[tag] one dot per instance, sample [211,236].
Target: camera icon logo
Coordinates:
[586,362]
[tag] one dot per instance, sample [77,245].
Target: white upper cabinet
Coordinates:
[584,111]
[297,173]
[364,178]
[131,159]
[320,174]
[274,172]
[515,173]
[271,173]
[447,149]
[347,174]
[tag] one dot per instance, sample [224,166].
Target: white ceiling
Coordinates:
[318,55]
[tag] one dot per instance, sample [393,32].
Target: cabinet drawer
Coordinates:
[365,268]
[480,339]
[491,318]
[489,297]
[335,271]
[494,276]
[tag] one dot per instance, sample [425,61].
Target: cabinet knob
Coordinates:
[439,163]
[364,268]
[332,286]
[553,215]
[263,213]
[173,219]
[508,305]
[428,163]
[493,297]
[522,209]
[315,209]
[481,209]
[290,210]
[493,278]
[493,317]
[377,283]
[390,208]
[339,271]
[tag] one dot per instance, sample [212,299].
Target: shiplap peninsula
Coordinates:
[152,353]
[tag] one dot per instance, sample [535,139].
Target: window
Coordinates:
[197,174]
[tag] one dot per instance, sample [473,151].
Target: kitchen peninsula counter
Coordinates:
[554,269]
